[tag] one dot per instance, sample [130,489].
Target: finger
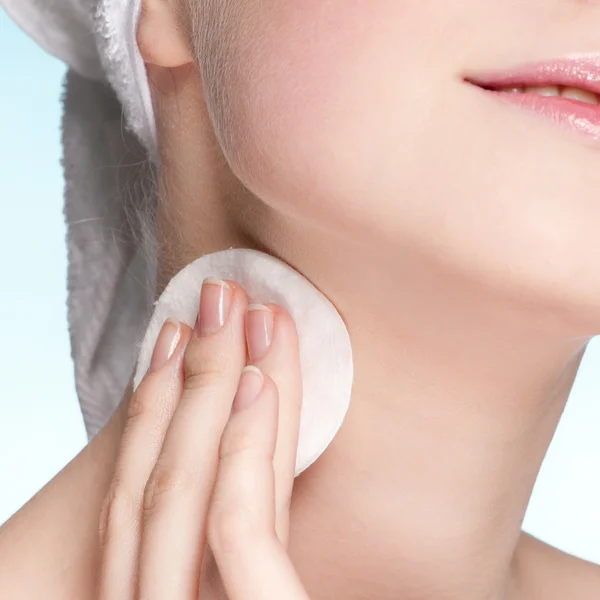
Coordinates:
[178,492]
[148,415]
[273,347]
[241,522]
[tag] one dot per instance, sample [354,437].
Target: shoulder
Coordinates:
[543,571]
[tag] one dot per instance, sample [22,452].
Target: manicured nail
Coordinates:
[167,341]
[249,388]
[215,300]
[259,330]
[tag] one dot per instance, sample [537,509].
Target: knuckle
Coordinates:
[118,513]
[206,379]
[140,404]
[243,448]
[209,362]
[231,529]
[242,445]
[166,482]
[136,407]
[236,442]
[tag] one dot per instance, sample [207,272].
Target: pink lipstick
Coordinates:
[564,91]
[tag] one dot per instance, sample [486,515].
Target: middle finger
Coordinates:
[178,492]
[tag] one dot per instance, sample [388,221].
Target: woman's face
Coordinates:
[355,114]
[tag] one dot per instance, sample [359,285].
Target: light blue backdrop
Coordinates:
[40,424]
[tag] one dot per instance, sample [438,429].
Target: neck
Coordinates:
[457,395]
[458,390]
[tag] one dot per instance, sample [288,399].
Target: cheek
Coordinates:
[312,100]
[350,114]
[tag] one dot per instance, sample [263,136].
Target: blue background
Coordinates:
[41,427]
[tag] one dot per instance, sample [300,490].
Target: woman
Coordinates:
[360,143]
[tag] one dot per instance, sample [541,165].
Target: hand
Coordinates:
[199,502]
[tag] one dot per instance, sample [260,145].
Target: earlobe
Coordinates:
[161,38]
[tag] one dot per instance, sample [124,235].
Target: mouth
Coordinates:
[565,92]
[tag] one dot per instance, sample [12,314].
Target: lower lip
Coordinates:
[579,116]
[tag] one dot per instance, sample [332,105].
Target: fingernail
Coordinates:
[259,330]
[167,341]
[215,299]
[249,388]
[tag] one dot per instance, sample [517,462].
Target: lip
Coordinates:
[580,71]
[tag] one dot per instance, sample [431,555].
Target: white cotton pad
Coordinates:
[325,350]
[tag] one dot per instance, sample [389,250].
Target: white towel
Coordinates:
[97,39]
[110,272]
[107,170]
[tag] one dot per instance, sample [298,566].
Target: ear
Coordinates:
[161,38]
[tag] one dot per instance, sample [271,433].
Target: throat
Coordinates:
[424,489]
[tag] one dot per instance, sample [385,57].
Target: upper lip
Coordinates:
[580,71]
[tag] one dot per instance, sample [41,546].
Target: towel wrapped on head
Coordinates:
[109,176]
[97,39]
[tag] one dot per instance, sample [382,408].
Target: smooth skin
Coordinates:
[457,239]
[200,462]
[206,456]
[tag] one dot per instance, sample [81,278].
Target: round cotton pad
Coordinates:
[325,349]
